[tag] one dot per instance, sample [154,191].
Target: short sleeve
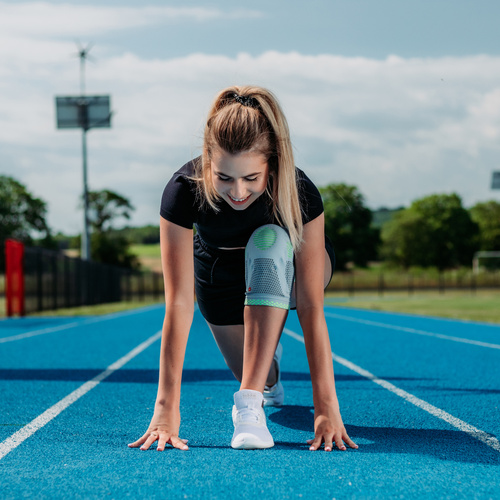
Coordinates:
[310,198]
[178,204]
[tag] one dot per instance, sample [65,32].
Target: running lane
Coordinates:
[460,378]
[82,453]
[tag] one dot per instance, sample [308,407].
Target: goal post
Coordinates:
[482,255]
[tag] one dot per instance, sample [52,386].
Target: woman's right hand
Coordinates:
[164,428]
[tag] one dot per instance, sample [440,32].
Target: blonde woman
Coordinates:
[259,249]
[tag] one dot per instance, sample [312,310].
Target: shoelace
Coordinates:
[250,415]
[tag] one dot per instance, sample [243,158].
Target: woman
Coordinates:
[260,224]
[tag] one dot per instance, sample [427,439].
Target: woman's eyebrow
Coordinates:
[218,172]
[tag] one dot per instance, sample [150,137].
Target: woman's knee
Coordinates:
[269,269]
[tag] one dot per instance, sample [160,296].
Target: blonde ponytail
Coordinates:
[250,119]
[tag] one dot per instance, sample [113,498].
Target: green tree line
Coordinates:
[23,217]
[434,231]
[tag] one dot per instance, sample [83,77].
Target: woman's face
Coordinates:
[239,179]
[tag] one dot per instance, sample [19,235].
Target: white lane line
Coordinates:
[482,436]
[412,330]
[34,333]
[29,429]
[74,324]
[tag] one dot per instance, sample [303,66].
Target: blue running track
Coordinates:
[420,396]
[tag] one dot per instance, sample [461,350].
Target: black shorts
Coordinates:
[219,281]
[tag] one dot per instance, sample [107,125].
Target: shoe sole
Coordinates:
[250,442]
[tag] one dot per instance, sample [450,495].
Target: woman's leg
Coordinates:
[230,340]
[327,277]
[264,320]
[264,325]
[263,328]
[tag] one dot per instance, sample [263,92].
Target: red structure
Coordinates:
[14,277]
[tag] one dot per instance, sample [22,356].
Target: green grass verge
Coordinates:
[97,310]
[146,250]
[484,305]
[149,256]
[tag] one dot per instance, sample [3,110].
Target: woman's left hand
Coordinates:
[329,429]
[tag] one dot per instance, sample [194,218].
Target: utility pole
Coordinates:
[85,112]
[85,243]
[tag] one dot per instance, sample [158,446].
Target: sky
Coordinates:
[400,98]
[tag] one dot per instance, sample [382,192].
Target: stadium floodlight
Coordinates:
[85,112]
[495,180]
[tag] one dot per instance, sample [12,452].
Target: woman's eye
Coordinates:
[228,179]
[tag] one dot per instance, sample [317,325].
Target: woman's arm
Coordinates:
[176,245]
[309,289]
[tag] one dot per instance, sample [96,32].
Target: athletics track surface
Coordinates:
[427,427]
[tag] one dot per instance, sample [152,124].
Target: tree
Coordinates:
[112,249]
[348,225]
[105,207]
[21,214]
[144,235]
[435,231]
[487,216]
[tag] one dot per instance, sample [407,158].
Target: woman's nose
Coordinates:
[238,190]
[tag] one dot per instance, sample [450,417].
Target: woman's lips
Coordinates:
[238,202]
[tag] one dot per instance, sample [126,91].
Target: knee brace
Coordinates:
[269,269]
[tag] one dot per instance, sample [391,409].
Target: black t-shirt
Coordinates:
[228,228]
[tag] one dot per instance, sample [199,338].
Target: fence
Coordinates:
[53,281]
[381,282]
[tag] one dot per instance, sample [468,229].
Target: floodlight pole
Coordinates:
[76,112]
[85,243]
[85,247]
[83,55]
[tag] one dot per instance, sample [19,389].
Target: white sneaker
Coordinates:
[249,419]
[275,395]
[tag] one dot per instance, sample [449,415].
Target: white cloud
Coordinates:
[38,19]
[397,128]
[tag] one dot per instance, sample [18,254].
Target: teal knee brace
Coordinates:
[269,269]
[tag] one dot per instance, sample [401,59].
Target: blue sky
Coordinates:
[366,28]
[401,98]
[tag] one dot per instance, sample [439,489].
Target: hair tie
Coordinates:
[251,102]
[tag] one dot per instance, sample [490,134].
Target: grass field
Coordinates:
[149,256]
[146,250]
[85,310]
[483,305]
[96,310]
